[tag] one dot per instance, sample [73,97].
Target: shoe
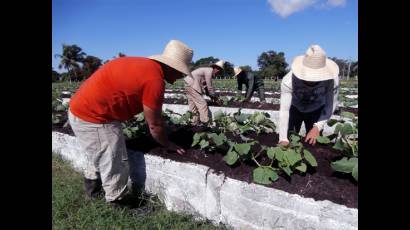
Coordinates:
[93,189]
[128,201]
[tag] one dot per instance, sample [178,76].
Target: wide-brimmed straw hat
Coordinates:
[177,55]
[219,64]
[237,71]
[314,65]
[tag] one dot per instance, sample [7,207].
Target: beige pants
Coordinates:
[106,154]
[197,105]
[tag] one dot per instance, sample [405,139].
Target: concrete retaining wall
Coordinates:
[198,190]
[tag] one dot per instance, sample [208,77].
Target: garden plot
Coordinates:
[236,158]
[273,114]
[213,184]
[253,99]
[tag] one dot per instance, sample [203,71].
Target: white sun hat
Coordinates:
[314,65]
[237,71]
[176,55]
[219,64]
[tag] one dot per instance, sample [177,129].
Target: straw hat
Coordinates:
[176,55]
[236,71]
[219,64]
[314,66]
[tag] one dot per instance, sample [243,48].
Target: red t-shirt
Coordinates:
[119,89]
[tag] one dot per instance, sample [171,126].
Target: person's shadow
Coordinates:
[137,170]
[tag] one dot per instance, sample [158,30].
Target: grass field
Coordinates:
[72,211]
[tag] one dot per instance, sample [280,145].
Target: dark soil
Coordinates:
[321,183]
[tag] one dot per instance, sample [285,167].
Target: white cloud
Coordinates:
[336,3]
[285,8]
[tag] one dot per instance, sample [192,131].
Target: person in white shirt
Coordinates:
[308,94]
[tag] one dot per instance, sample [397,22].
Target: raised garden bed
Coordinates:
[321,183]
[232,94]
[201,182]
[250,105]
[204,192]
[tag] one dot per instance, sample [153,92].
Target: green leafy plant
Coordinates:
[136,127]
[208,140]
[241,123]
[177,118]
[288,159]
[346,140]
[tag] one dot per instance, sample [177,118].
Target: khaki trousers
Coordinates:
[106,155]
[197,105]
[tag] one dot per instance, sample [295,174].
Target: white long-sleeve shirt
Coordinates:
[306,99]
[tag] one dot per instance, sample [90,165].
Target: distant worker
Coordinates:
[198,84]
[308,94]
[253,83]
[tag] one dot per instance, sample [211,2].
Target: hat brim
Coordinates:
[330,71]
[237,73]
[213,65]
[173,63]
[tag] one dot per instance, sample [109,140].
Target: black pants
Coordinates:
[261,93]
[296,118]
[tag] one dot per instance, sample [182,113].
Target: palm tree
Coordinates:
[72,55]
[90,65]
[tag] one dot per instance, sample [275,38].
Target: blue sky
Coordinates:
[237,31]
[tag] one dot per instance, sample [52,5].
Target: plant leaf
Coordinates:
[127,132]
[344,165]
[302,167]
[218,115]
[231,157]
[310,158]
[338,128]
[241,118]
[271,153]
[294,138]
[293,157]
[203,144]
[219,139]
[331,122]
[287,170]
[279,154]
[323,139]
[264,175]
[347,114]
[197,138]
[242,149]
[258,118]
[140,117]
[347,129]
[355,172]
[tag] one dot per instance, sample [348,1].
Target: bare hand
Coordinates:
[283,143]
[311,136]
[175,148]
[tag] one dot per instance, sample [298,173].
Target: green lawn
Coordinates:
[72,211]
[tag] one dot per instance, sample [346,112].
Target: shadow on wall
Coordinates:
[137,167]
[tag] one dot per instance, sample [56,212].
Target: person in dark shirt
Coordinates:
[252,83]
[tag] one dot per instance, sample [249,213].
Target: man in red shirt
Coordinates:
[117,92]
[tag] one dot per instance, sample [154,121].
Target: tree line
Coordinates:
[272,65]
